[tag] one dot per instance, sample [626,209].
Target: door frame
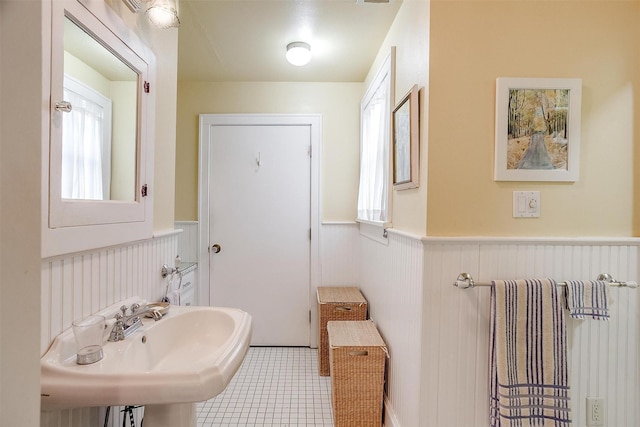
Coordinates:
[206,121]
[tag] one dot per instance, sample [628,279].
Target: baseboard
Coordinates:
[390,418]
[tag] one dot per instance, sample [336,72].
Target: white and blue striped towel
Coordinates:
[587,299]
[529,375]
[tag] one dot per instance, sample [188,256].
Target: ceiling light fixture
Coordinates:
[161,13]
[298,53]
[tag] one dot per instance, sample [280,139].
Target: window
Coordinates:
[86,143]
[375,137]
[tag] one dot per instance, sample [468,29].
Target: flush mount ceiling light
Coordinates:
[298,53]
[161,13]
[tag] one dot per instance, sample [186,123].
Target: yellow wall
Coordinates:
[455,50]
[473,43]
[165,46]
[339,104]
[79,70]
[164,43]
[410,35]
[123,148]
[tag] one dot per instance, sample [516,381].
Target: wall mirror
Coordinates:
[99,133]
[101,126]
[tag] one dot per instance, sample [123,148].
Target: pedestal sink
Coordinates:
[188,356]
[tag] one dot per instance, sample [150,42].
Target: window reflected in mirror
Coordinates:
[99,134]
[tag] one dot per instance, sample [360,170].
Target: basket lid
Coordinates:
[328,294]
[353,333]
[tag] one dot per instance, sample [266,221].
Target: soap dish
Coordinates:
[160,307]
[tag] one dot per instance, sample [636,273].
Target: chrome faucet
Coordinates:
[126,325]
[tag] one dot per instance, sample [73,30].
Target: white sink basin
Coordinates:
[188,356]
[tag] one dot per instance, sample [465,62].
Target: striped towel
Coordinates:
[587,299]
[529,380]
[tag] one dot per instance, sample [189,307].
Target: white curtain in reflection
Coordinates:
[374,157]
[85,146]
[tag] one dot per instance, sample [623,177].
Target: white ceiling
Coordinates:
[245,40]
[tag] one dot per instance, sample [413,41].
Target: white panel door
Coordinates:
[260,220]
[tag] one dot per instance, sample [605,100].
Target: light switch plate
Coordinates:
[526,204]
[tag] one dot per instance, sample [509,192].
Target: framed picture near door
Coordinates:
[406,143]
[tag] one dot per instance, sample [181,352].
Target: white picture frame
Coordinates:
[537,129]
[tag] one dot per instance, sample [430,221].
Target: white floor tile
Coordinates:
[275,386]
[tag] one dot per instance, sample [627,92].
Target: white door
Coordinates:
[259,218]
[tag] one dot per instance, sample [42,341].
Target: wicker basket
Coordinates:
[357,357]
[336,303]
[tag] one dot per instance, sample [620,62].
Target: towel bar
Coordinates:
[465,281]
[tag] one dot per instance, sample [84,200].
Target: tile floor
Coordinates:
[275,386]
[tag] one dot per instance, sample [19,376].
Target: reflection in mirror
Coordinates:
[99,134]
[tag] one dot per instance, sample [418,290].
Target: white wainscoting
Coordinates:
[437,334]
[188,240]
[391,280]
[603,355]
[81,284]
[339,254]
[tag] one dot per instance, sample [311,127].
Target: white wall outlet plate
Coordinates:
[595,411]
[526,204]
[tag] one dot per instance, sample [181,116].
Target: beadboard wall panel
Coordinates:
[391,280]
[188,240]
[338,264]
[81,284]
[603,355]
[339,254]
[437,334]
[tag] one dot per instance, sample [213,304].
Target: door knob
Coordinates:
[215,248]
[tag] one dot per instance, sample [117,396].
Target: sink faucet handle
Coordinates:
[123,309]
[117,333]
[134,307]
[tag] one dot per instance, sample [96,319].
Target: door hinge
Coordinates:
[309,316]
[143,190]
[147,87]
[310,151]
[309,234]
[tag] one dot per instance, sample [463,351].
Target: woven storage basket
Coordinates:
[336,303]
[357,357]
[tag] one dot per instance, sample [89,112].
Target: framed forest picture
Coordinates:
[537,129]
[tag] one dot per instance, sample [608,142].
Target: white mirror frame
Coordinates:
[78,225]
